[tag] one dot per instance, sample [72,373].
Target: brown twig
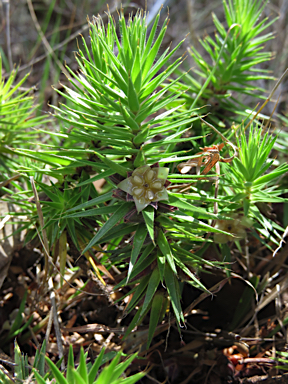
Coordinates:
[44,40]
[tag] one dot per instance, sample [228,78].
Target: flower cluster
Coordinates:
[237,227]
[146,185]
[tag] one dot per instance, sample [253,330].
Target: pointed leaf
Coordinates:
[56,372]
[70,366]
[156,309]
[166,251]
[39,379]
[174,293]
[148,214]
[39,363]
[98,200]
[151,289]
[82,368]
[78,378]
[118,215]
[108,372]
[133,100]
[138,241]
[116,167]
[138,293]
[94,370]
[161,261]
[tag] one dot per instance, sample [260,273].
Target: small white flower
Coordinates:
[237,227]
[146,185]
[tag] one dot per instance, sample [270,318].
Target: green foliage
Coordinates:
[22,369]
[63,199]
[249,173]
[17,325]
[4,377]
[115,96]
[89,374]
[235,54]
[84,373]
[248,183]
[17,121]
[127,120]
[282,360]
[112,107]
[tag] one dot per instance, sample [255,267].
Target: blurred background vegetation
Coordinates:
[61,21]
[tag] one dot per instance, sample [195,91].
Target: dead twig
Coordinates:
[44,40]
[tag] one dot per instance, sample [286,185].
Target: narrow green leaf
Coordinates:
[122,84]
[129,120]
[246,206]
[151,289]
[160,63]
[91,212]
[194,281]
[150,39]
[116,167]
[141,137]
[174,293]
[39,379]
[127,53]
[161,261]
[78,378]
[102,175]
[144,261]
[175,200]
[135,321]
[133,379]
[154,50]
[108,372]
[136,74]
[18,319]
[70,366]
[149,214]
[72,232]
[98,200]
[82,368]
[18,361]
[49,193]
[94,370]
[39,363]
[118,215]
[133,100]
[272,175]
[156,309]
[121,368]
[119,231]
[140,159]
[165,249]
[245,303]
[138,241]
[56,372]
[138,293]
